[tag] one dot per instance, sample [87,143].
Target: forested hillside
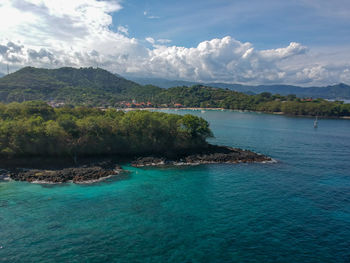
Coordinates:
[85,86]
[338,91]
[207,97]
[98,87]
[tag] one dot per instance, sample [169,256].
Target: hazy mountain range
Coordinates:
[338,91]
[95,86]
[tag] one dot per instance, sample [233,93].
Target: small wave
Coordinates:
[271,161]
[96,180]
[48,182]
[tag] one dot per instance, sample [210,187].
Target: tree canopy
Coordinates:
[35,128]
[201,96]
[83,86]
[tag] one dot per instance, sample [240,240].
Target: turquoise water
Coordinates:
[296,210]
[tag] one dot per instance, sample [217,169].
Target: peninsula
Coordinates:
[35,130]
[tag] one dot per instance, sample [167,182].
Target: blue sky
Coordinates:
[303,42]
[267,24]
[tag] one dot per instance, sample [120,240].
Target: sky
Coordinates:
[300,42]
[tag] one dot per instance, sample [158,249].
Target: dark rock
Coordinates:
[210,154]
[4,174]
[76,175]
[148,161]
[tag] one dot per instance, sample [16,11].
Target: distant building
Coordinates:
[308,99]
[178,105]
[56,104]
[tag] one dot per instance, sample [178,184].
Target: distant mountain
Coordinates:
[71,85]
[1,74]
[96,86]
[163,83]
[339,91]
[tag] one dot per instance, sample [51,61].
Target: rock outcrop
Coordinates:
[77,174]
[211,154]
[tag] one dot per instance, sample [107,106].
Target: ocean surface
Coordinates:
[295,210]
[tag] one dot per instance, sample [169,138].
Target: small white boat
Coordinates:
[316,123]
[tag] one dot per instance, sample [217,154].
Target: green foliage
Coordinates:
[34,128]
[97,87]
[84,86]
[201,96]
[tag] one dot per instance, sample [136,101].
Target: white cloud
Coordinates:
[146,14]
[123,30]
[223,59]
[283,53]
[77,33]
[157,43]
[150,40]
[164,41]
[153,17]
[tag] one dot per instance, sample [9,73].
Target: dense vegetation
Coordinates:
[35,128]
[199,96]
[340,90]
[97,87]
[84,86]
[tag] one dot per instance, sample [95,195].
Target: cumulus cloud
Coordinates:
[223,59]
[76,33]
[49,34]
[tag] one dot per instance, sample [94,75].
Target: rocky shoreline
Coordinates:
[95,171]
[83,174]
[211,155]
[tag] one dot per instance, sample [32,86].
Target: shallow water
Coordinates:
[297,210]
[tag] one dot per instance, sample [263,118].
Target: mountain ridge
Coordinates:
[76,85]
[337,91]
[98,87]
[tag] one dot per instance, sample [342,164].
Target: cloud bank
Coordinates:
[80,33]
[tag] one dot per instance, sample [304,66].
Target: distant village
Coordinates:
[148,104]
[125,105]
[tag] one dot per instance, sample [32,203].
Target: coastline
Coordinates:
[223,109]
[213,154]
[92,173]
[98,170]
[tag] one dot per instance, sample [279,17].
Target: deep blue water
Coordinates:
[296,210]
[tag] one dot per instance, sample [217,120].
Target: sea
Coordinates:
[294,210]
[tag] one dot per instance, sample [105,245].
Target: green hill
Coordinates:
[98,87]
[339,91]
[208,97]
[89,86]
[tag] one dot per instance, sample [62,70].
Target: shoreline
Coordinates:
[101,179]
[223,109]
[95,172]
[109,167]
[212,155]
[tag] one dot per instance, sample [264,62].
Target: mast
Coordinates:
[316,123]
